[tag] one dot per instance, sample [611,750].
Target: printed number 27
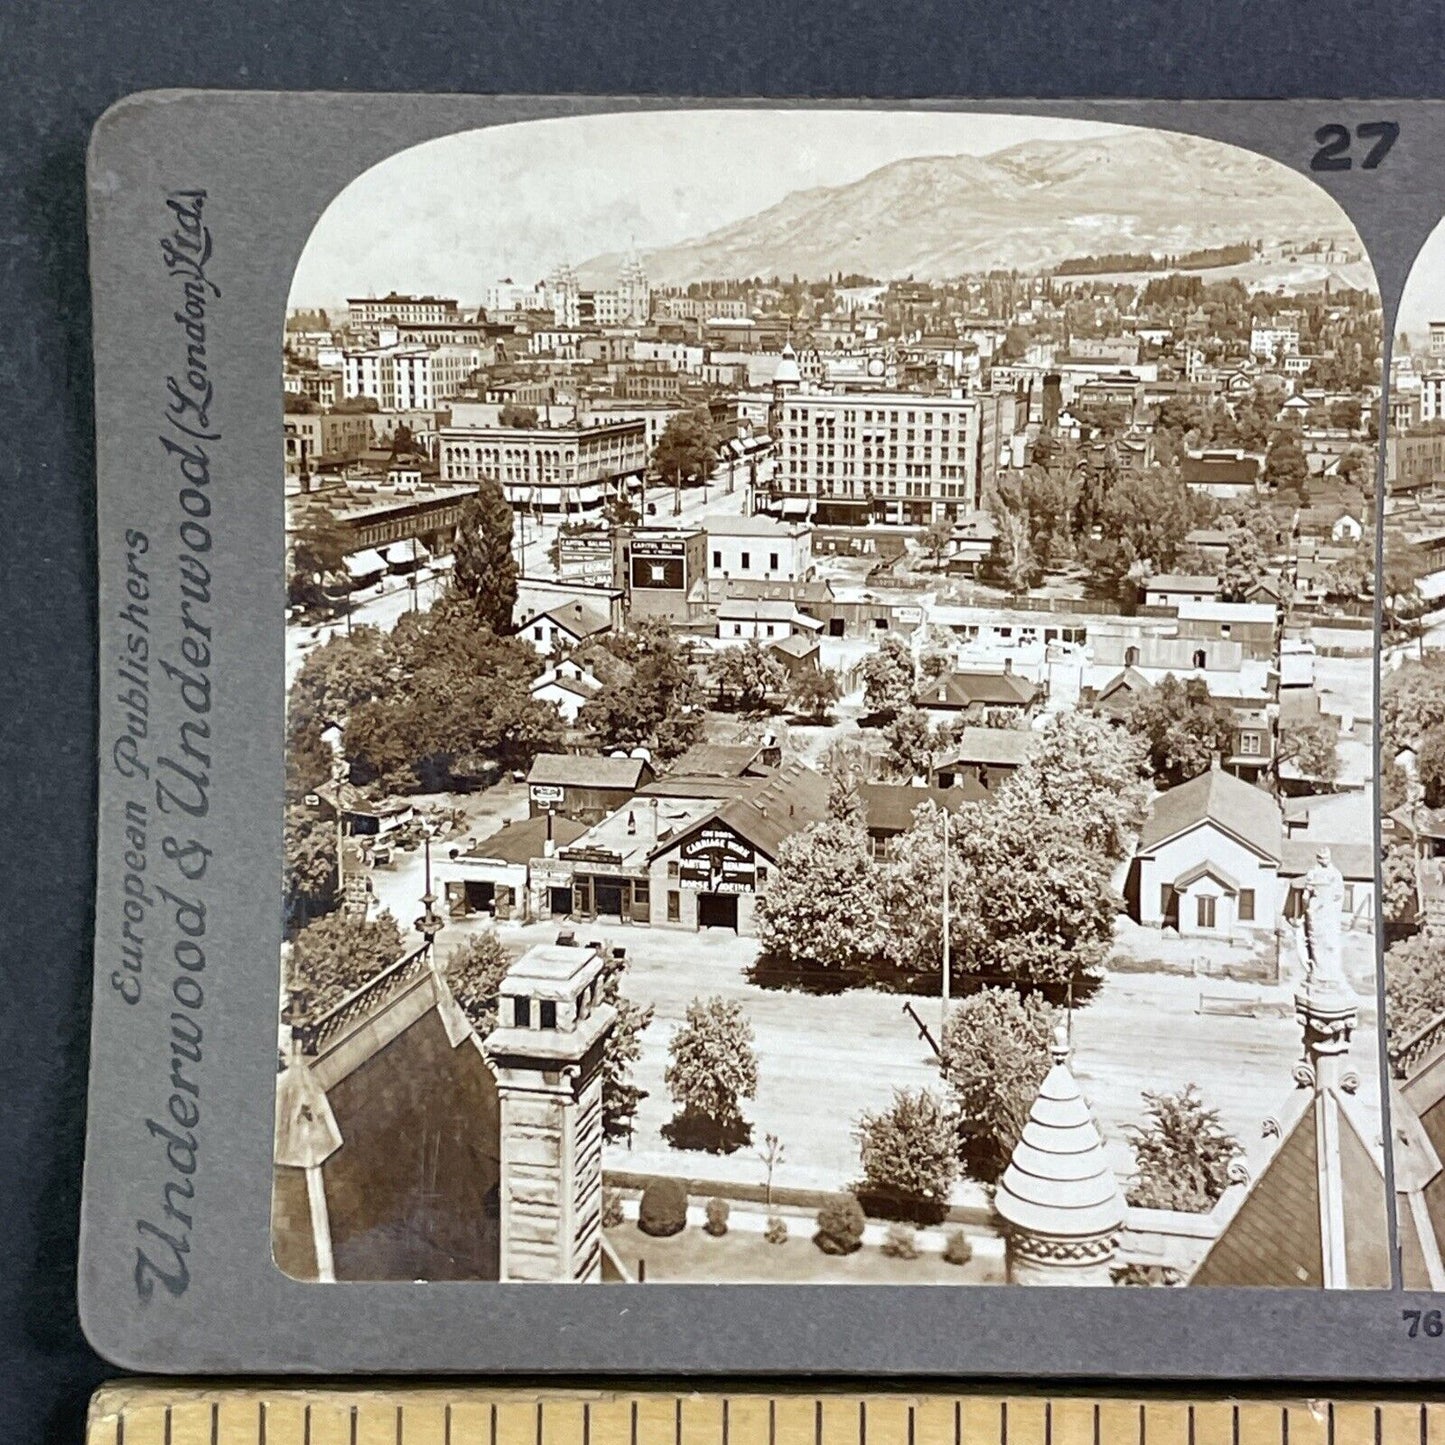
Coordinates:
[1334,145]
[1426,1322]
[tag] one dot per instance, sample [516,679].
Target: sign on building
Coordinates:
[717,861]
[546,794]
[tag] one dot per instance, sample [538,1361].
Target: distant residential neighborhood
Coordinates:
[825,777]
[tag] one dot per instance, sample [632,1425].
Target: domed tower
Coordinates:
[1058,1196]
[787,378]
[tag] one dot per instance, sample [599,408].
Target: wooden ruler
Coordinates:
[173,1413]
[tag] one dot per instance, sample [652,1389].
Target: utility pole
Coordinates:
[947,959]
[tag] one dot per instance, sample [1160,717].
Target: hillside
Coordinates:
[1028,206]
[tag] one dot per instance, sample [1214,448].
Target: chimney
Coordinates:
[1053,400]
[1214,761]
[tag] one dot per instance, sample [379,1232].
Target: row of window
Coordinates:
[744,561]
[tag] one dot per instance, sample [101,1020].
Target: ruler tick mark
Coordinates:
[447,1424]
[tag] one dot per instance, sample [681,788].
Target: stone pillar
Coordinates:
[546,1052]
[1058,1197]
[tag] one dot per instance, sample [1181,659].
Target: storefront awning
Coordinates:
[366,563]
[794,507]
[406,554]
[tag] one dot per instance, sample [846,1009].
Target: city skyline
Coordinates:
[455,215]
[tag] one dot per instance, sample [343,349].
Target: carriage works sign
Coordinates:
[717,861]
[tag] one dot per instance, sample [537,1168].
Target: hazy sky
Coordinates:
[455,215]
[1424,298]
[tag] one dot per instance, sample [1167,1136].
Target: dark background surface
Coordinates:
[62,64]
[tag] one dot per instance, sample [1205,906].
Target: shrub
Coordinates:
[956,1248]
[909,1155]
[777,1230]
[612,1208]
[1184,1155]
[717,1217]
[663,1210]
[995,1056]
[840,1225]
[901,1243]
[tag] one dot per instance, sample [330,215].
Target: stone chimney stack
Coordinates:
[546,1052]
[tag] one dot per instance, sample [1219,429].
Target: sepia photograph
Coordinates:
[1412,766]
[830,729]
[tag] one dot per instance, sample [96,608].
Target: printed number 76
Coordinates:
[1426,1322]
[1334,145]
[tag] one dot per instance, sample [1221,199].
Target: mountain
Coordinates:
[1028,206]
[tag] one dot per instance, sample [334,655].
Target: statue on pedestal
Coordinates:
[1324,899]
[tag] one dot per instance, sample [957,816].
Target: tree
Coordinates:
[1311,747]
[316,558]
[356,406]
[912,744]
[1412,702]
[995,1055]
[1142,521]
[909,1156]
[654,702]
[1246,556]
[474,973]
[620,1096]
[403,444]
[888,678]
[1015,551]
[821,908]
[1086,770]
[1430,765]
[911,888]
[843,764]
[748,675]
[712,1067]
[309,762]
[1041,910]
[1183,1156]
[485,570]
[936,537]
[1399,902]
[1414,984]
[686,449]
[335,955]
[296,403]
[1285,466]
[453,703]
[310,849]
[620,512]
[347,670]
[813,691]
[524,417]
[1182,727]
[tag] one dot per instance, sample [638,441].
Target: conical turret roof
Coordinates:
[787,373]
[1058,1184]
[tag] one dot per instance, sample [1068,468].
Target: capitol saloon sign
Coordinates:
[717,861]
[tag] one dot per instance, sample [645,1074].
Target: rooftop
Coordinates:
[587,770]
[1238,808]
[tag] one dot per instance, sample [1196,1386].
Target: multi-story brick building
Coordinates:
[410,378]
[899,457]
[559,470]
[414,310]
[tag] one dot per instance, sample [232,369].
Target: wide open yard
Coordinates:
[825,1059]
